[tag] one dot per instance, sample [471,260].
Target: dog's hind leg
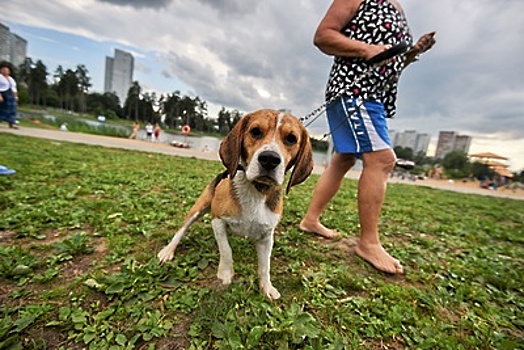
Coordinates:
[201,206]
[168,251]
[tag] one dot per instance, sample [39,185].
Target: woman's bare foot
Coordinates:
[379,258]
[317,228]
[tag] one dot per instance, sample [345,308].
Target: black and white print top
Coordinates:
[376,22]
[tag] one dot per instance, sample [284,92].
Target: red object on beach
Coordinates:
[186,129]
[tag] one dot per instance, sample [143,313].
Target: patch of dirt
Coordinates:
[346,245]
[391,344]
[76,267]
[179,339]
[7,235]
[47,338]
[51,236]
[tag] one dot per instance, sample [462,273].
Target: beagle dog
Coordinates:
[247,198]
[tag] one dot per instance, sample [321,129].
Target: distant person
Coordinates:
[8,95]
[354,31]
[134,133]
[149,132]
[156,132]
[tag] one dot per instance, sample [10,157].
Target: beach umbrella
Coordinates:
[488,155]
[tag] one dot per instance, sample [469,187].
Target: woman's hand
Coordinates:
[373,50]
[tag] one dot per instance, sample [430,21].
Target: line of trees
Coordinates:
[68,89]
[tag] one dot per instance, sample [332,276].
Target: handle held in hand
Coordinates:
[389,53]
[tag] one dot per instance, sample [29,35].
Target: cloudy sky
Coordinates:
[246,54]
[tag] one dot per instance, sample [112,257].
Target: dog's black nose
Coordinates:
[269,160]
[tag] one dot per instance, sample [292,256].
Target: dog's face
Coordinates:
[267,143]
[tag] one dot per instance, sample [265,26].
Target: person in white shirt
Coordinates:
[149,132]
[8,95]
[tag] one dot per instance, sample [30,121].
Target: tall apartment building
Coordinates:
[119,74]
[13,48]
[449,141]
[410,139]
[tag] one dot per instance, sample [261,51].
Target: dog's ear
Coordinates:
[231,147]
[303,162]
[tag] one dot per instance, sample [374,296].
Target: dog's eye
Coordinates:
[290,139]
[256,133]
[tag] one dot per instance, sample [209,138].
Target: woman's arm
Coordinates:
[329,39]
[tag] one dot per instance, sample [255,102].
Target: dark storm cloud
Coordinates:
[140,4]
[472,80]
[232,7]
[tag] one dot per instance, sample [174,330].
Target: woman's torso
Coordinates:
[376,22]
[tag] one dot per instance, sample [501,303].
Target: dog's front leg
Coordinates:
[264,247]
[225,267]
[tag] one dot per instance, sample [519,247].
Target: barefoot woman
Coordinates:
[353,31]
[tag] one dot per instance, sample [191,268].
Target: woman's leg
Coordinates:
[325,189]
[371,193]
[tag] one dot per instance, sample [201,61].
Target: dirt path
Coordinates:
[138,145]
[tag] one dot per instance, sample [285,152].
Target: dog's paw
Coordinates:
[225,275]
[270,291]
[166,254]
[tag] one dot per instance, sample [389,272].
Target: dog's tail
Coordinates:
[201,207]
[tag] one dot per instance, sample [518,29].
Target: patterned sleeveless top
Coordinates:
[376,22]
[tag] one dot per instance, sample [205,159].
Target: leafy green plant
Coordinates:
[16,262]
[77,244]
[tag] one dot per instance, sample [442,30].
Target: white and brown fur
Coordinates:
[247,199]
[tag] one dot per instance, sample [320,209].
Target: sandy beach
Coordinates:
[144,146]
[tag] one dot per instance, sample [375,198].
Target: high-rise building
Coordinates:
[422,144]
[410,139]
[449,141]
[13,48]
[462,143]
[5,39]
[119,74]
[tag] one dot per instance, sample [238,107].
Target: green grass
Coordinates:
[80,227]
[74,122]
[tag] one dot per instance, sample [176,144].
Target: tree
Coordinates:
[39,86]
[223,121]
[68,88]
[170,107]
[23,72]
[236,118]
[405,153]
[104,104]
[132,102]
[456,164]
[84,83]
[59,73]
[481,171]
[147,103]
[519,176]
[33,79]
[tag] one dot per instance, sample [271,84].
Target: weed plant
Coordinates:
[80,227]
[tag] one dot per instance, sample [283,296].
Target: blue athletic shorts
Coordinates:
[358,126]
